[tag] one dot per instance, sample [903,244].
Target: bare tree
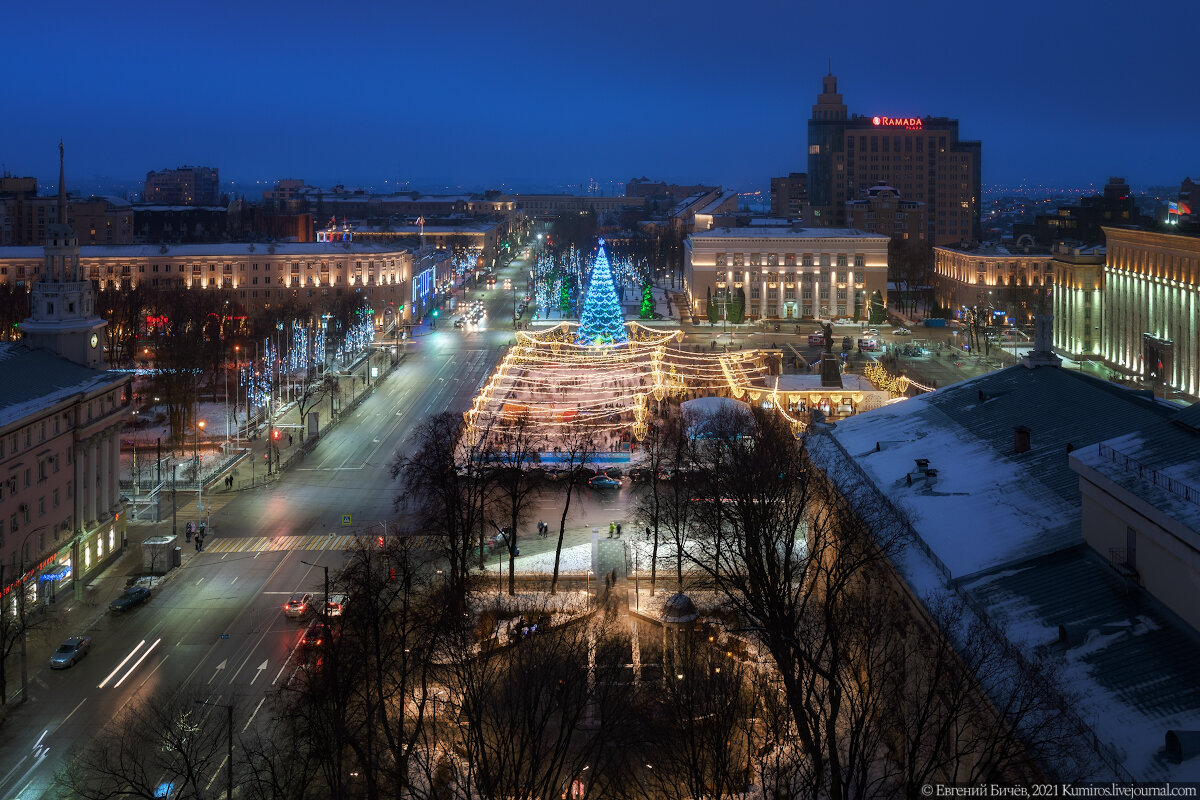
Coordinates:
[786,553]
[514,451]
[699,745]
[310,394]
[152,742]
[540,714]
[577,446]
[661,501]
[444,475]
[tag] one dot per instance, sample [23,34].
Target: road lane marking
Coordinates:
[220,667]
[261,667]
[118,667]
[213,779]
[256,708]
[198,582]
[137,663]
[64,722]
[151,673]
[232,582]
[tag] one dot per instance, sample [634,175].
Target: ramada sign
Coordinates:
[908,123]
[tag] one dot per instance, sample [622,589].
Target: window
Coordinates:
[789,294]
[859,260]
[754,292]
[807,260]
[841,260]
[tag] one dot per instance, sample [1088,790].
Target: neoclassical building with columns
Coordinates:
[787,273]
[60,423]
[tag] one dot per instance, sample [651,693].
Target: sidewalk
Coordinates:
[85,617]
[246,459]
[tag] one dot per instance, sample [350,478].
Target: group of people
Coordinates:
[527,627]
[199,534]
[614,528]
[543,530]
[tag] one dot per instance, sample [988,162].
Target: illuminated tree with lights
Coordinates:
[601,321]
[647,309]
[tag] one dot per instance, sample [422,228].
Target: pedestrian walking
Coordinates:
[289,440]
[197,544]
[611,529]
[187,532]
[618,530]
[203,529]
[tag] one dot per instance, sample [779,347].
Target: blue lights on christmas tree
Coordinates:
[601,322]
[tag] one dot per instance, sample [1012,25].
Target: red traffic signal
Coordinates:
[379,541]
[275,435]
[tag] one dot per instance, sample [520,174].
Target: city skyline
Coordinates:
[521,97]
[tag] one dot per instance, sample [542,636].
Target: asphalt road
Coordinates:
[215,629]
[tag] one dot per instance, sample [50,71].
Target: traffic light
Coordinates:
[275,435]
[379,541]
[435,312]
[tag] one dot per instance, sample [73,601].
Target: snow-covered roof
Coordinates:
[1004,529]
[46,379]
[222,250]
[762,233]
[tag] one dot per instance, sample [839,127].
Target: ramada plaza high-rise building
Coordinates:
[921,157]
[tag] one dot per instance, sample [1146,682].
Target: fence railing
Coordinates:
[1165,482]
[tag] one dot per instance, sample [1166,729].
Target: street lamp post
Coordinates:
[325,608]
[199,477]
[229,754]
[24,616]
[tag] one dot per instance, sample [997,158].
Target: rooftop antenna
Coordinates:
[830,65]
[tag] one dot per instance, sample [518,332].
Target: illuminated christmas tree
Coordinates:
[601,322]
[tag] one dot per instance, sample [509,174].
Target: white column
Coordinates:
[114,470]
[93,454]
[77,503]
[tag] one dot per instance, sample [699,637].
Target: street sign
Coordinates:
[345,519]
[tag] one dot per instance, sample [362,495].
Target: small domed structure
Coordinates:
[679,609]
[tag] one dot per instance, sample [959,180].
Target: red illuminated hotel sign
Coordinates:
[908,123]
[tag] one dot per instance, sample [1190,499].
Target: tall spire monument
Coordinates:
[601,322]
[62,305]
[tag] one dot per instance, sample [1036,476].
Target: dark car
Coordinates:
[130,598]
[70,651]
[300,604]
[316,636]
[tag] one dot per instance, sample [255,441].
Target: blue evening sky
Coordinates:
[533,94]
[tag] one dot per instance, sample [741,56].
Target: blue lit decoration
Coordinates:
[358,337]
[601,322]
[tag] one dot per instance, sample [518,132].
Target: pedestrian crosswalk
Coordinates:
[263,544]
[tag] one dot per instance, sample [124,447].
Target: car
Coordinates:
[871,332]
[336,605]
[70,651]
[130,598]
[298,605]
[316,635]
[902,332]
[603,481]
[458,323]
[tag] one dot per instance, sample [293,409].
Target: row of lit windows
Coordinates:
[789,259]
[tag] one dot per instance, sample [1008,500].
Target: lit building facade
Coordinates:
[922,157]
[1078,300]
[1151,307]
[1007,282]
[787,273]
[883,210]
[60,423]
[183,186]
[257,274]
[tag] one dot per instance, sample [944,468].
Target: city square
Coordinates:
[468,413]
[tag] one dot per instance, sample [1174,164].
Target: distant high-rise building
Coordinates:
[1083,223]
[788,195]
[881,209]
[921,157]
[185,186]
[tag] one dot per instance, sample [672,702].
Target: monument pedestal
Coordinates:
[831,371]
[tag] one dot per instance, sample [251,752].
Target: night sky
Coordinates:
[531,95]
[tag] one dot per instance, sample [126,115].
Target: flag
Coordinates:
[421,221]
[1184,208]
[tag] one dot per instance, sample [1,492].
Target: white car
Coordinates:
[902,332]
[871,332]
